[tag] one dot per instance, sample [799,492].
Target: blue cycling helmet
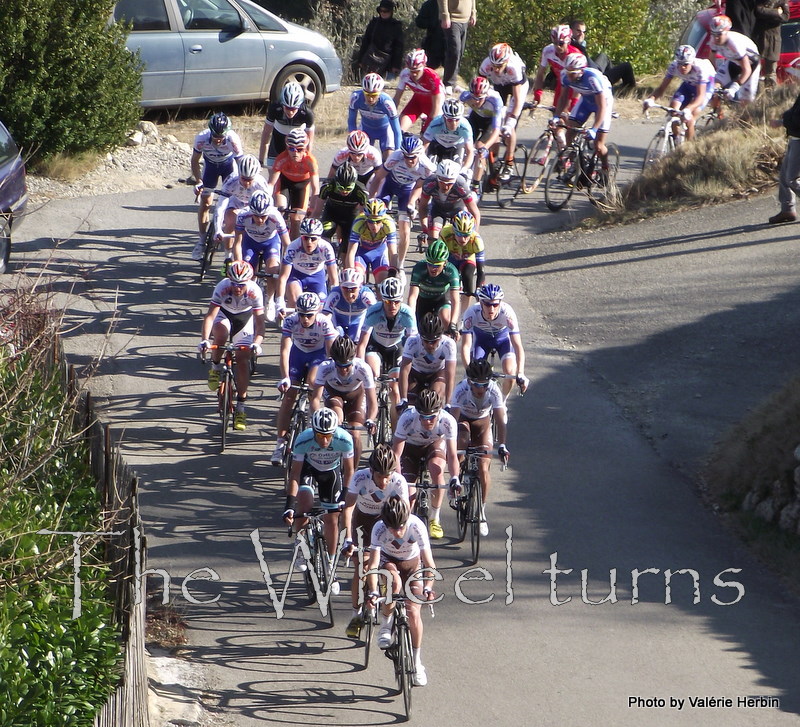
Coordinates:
[260,202]
[411,146]
[490,292]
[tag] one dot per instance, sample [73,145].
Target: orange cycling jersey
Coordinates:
[295,171]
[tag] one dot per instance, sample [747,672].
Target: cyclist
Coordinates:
[322,460]
[491,325]
[402,175]
[347,386]
[506,71]
[373,241]
[426,432]
[428,362]
[400,546]
[285,114]
[296,174]
[697,86]
[593,91]
[427,91]
[259,233]
[348,302]
[340,201]
[449,136]
[485,118]
[220,148]
[235,195]
[236,311]
[476,400]
[307,335]
[386,325]
[369,489]
[466,253]
[308,262]
[445,192]
[364,157]
[553,58]
[740,68]
[379,117]
[435,287]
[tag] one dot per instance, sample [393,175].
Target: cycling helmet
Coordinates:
[429,402]
[479,369]
[240,271]
[490,292]
[463,223]
[292,95]
[375,209]
[719,24]
[395,512]
[346,176]
[311,227]
[411,145]
[437,253]
[343,350]
[431,327]
[297,137]
[561,33]
[452,109]
[416,58]
[479,87]
[351,278]
[260,202]
[308,303]
[391,289]
[383,460]
[499,54]
[249,166]
[372,83]
[219,124]
[357,141]
[448,170]
[575,62]
[685,54]
[324,421]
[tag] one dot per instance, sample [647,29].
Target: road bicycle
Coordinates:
[469,504]
[401,652]
[578,166]
[670,136]
[542,150]
[383,419]
[422,500]
[210,243]
[506,183]
[298,422]
[226,390]
[318,575]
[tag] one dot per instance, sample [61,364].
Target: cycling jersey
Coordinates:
[473,407]
[309,263]
[307,449]
[345,380]
[384,332]
[213,153]
[370,160]
[428,84]
[273,225]
[460,192]
[250,300]
[502,326]
[370,497]
[411,430]
[408,547]
[513,73]
[438,132]
[400,172]
[296,170]
[429,362]
[235,195]
[591,83]
[491,108]
[308,339]
[376,119]
[282,124]
[472,251]
[736,47]
[434,286]
[349,316]
[701,71]
[366,239]
[551,58]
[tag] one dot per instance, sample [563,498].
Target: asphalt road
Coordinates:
[645,343]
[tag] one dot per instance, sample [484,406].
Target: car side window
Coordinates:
[209,15]
[8,149]
[263,20]
[790,37]
[143,14]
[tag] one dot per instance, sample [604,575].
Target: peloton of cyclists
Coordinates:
[740,68]
[340,201]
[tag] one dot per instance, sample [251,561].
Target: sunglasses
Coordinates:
[463,234]
[307,315]
[296,148]
[371,96]
[411,157]
[479,384]
[432,340]
[490,305]
[428,417]
[343,366]
[310,238]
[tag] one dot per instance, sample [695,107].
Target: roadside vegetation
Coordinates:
[56,669]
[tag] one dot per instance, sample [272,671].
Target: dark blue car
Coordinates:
[13,193]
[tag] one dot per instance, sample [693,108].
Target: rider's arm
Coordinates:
[516,342]
[661,87]
[451,450]
[375,182]
[266,133]
[466,347]
[258,333]
[469,154]
[413,293]
[294,477]
[391,248]
[350,499]
[405,368]
[316,397]
[449,379]
[602,103]
[422,207]
[348,465]
[286,346]
[500,417]
[237,244]
[196,173]
[747,70]
[280,293]
[538,82]
[372,403]
[208,321]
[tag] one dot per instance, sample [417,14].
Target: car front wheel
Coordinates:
[307,77]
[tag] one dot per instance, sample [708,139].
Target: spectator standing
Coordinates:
[455,16]
[742,14]
[770,15]
[381,48]
[789,181]
[433,43]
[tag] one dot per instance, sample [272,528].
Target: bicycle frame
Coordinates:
[671,135]
[226,391]
[317,576]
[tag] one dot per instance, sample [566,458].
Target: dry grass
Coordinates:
[66,168]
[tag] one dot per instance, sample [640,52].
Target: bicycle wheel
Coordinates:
[475,502]
[405,665]
[604,180]
[560,179]
[322,567]
[226,404]
[508,190]
[422,507]
[540,156]
[296,425]
[370,621]
[656,149]
[209,246]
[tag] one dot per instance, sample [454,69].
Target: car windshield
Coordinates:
[8,149]
[263,20]
[790,37]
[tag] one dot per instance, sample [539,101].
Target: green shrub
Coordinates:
[67,83]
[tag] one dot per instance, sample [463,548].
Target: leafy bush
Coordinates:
[67,83]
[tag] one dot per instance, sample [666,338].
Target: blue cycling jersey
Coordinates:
[323,459]
[375,116]
[437,131]
[384,333]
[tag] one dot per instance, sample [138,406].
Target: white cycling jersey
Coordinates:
[403,174]
[309,263]
[226,297]
[408,547]
[371,159]
[506,320]
[473,407]
[312,338]
[411,429]
[511,74]
[370,497]
[218,153]
[736,47]
[428,363]
[345,380]
[235,195]
[701,71]
[273,225]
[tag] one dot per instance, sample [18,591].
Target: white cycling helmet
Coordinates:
[308,303]
[561,33]
[357,141]
[448,170]
[351,278]
[719,24]
[292,95]
[297,137]
[324,421]
[685,54]
[452,109]
[500,53]
[249,166]
[391,289]
[575,62]
[372,83]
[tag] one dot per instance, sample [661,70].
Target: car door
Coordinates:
[161,48]
[224,53]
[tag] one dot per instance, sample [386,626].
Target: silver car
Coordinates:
[221,51]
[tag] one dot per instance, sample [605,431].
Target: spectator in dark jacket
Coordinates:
[614,72]
[770,15]
[381,48]
[434,42]
[789,182]
[743,15]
